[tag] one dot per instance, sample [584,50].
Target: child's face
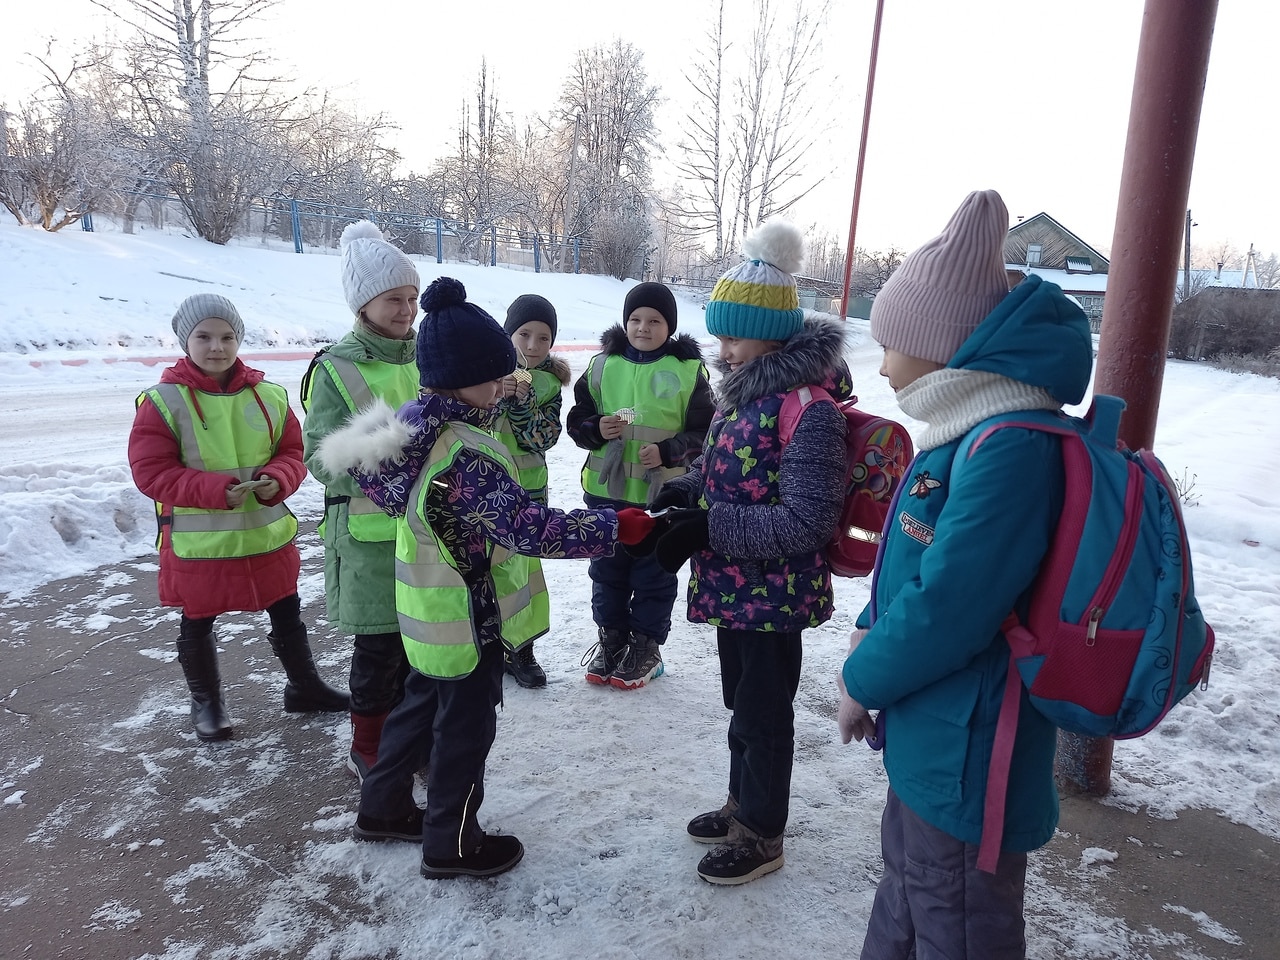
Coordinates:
[483,396]
[737,351]
[532,341]
[391,314]
[212,347]
[902,370]
[646,328]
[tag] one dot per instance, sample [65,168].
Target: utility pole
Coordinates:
[1186,262]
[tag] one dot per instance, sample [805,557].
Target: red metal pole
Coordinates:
[862,156]
[1164,118]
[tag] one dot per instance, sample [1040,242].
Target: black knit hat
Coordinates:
[527,307]
[459,345]
[655,295]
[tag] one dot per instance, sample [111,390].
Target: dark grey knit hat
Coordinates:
[527,307]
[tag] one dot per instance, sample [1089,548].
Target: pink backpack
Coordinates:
[879,452]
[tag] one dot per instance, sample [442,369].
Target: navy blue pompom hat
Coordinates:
[459,345]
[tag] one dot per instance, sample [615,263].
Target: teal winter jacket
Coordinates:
[963,546]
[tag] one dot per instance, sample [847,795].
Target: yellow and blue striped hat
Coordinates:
[757,299]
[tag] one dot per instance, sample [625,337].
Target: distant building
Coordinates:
[1043,247]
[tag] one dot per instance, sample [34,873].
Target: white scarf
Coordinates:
[952,402]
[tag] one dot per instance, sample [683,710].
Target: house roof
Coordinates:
[1044,216]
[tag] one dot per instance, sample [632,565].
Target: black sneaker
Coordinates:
[641,663]
[742,858]
[526,670]
[712,827]
[376,829]
[603,658]
[495,855]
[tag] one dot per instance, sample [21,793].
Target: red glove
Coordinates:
[634,525]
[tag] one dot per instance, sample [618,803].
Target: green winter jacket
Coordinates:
[359,556]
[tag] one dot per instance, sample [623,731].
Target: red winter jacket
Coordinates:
[206,588]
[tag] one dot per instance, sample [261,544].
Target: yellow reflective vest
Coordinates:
[432,599]
[359,383]
[659,393]
[234,437]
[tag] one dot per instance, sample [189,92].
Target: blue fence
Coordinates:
[312,225]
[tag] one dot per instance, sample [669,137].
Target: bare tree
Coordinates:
[701,157]
[609,98]
[742,160]
[57,159]
[216,128]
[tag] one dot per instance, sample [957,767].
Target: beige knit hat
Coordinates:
[943,290]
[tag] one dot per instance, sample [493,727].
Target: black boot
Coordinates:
[522,665]
[305,692]
[199,659]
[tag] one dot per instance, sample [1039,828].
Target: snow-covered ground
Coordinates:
[83,321]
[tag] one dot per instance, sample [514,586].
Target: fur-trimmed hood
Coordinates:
[681,346]
[384,450]
[557,367]
[815,355]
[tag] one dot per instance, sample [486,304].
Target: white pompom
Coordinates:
[778,243]
[361,230]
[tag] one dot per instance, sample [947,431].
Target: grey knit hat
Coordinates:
[371,266]
[202,306]
[943,290]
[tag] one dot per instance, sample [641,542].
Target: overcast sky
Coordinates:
[1030,99]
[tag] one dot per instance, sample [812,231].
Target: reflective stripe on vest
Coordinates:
[659,392]
[432,599]
[236,429]
[359,384]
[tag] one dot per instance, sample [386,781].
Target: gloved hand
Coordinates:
[669,495]
[685,535]
[634,526]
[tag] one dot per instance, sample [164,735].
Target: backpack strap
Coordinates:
[795,403]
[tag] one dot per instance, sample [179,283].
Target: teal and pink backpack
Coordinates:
[1114,636]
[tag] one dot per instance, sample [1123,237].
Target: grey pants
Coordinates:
[933,903]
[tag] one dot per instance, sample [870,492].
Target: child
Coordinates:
[218,449]
[529,426]
[642,408]
[755,521]
[374,360]
[463,590]
[962,548]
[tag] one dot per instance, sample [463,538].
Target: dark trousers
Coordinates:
[632,594]
[285,616]
[378,671]
[933,903]
[759,674]
[446,726]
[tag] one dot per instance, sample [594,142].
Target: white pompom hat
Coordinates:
[371,266]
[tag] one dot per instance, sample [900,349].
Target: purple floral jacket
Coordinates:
[770,512]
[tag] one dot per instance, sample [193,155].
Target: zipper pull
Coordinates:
[1091,633]
[1204,677]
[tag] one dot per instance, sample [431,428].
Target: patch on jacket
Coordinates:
[916,530]
[922,485]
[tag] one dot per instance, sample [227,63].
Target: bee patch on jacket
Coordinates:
[922,485]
